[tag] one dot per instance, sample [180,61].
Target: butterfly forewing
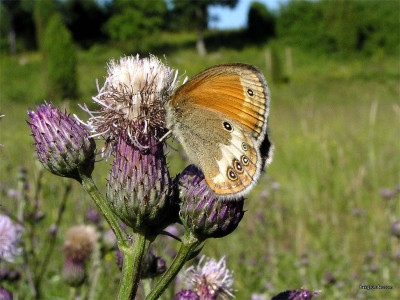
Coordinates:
[237,90]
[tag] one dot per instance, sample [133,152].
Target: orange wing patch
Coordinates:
[234,90]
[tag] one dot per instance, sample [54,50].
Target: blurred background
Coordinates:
[323,217]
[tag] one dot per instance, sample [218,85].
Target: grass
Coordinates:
[317,211]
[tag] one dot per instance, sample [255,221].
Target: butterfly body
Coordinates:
[220,118]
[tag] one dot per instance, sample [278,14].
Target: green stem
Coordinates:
[89,185]
[189,244]
[132,266]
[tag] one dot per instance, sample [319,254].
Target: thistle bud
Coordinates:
[74,272]
[63,146]
[203,213]
[139,187]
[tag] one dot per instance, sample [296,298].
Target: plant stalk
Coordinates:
[132,266]
[90,187]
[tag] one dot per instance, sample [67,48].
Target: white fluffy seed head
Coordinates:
[132,100]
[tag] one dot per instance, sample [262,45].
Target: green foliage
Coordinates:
[136,23]
[335,128]
[260,22]
[43,10]
[341,26]
[61,60]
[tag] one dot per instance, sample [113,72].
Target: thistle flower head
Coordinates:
[201,212]
[132,101]
[211,279]
[79,242]
[10,236]
[63,145]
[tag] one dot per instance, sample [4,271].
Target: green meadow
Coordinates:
[318,218]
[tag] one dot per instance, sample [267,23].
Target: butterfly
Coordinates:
[220,117]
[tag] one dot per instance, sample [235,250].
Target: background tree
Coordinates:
[85,21]
[61,60]
[16,20]
[43,10]
[193,14]
[136,22]
[341,26]
[260,22]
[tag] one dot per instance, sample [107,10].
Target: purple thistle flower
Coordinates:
[211,280]
[201,212]
[388,193]
[10,236]
[5,294]
[187,295]
[62,144]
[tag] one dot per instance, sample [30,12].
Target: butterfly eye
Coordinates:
[245,160]
[227,126]
[250,92]
[245,147]
[232,174]
[238,167]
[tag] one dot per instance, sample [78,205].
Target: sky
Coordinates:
[237,17]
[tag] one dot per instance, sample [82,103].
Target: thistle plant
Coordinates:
[130,120]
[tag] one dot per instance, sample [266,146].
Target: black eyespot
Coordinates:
[250,92]
[232,174]
[238,167]
[245,147]
[245,160]
[227,126]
